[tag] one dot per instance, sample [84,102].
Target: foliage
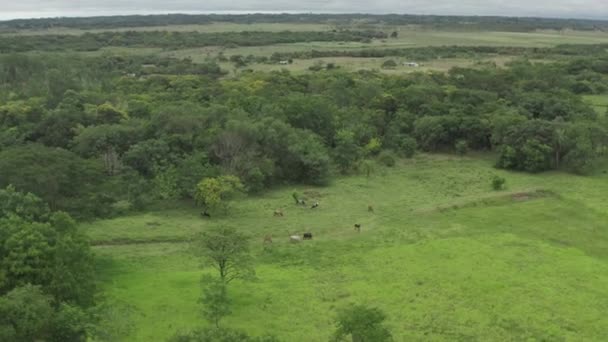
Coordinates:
[389,64]
[226,250]
[408,147]
[498,183]
[462,147]
[219,335]
[215,301]
[367,167]
[347,152]
[363,324]
[373,147]
[387,158]
[216,192]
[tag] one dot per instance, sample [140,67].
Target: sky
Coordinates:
[11,9]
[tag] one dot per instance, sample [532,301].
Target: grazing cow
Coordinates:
[278,213]
[295,238]
[316,205]
[307,236]
[268,239]
[301,202]
[205,214]
[358,228]
[370,208]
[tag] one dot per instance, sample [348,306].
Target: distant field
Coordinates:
[421,38]
[444,256]
[355,64]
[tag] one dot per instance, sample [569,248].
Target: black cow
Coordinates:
[358,228]
[307,236]
[205,214]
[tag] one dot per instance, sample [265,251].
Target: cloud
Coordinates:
[541,8]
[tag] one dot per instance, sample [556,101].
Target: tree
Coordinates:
[362,324]
[408,147]
[25,314]
[215,301]
[389,64]
[59,177]
[346,152]
[216,192]
[227,250]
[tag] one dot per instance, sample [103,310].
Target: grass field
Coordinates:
[598,102]
[409,38]
[443,255]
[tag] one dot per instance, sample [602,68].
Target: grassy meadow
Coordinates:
[444,256]
[598,102]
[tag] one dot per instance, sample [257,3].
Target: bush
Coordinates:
[498,183]
[387,158]
[373,147]
[462,147]
[389,64]
[409,146]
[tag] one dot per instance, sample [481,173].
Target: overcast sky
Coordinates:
[10,9]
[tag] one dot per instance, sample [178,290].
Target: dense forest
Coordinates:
[429,21]
[109,135]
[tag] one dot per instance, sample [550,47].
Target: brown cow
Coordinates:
[268,239]
[278,213]
[370,208]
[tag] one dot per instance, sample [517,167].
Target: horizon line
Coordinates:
[288,12]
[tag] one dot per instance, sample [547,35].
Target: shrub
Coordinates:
[409,146]
[373,147]
[462,147]
[498,183]
[389,64]
[387,158]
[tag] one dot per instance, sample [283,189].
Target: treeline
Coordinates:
[438,52]
[99,143]
[174,40]
[428,21]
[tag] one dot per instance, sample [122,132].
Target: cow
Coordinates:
[301,202]
[307,236]
[278,213]
[205,214]
[370,208]
[268,239]
[314,206]
[358,228]
[295,239]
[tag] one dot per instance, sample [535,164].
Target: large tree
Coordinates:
[226,250]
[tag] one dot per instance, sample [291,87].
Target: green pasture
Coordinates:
[444,256]
[598,102]
[409,38]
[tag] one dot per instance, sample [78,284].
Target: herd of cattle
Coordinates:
[307,236]
[293,238]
